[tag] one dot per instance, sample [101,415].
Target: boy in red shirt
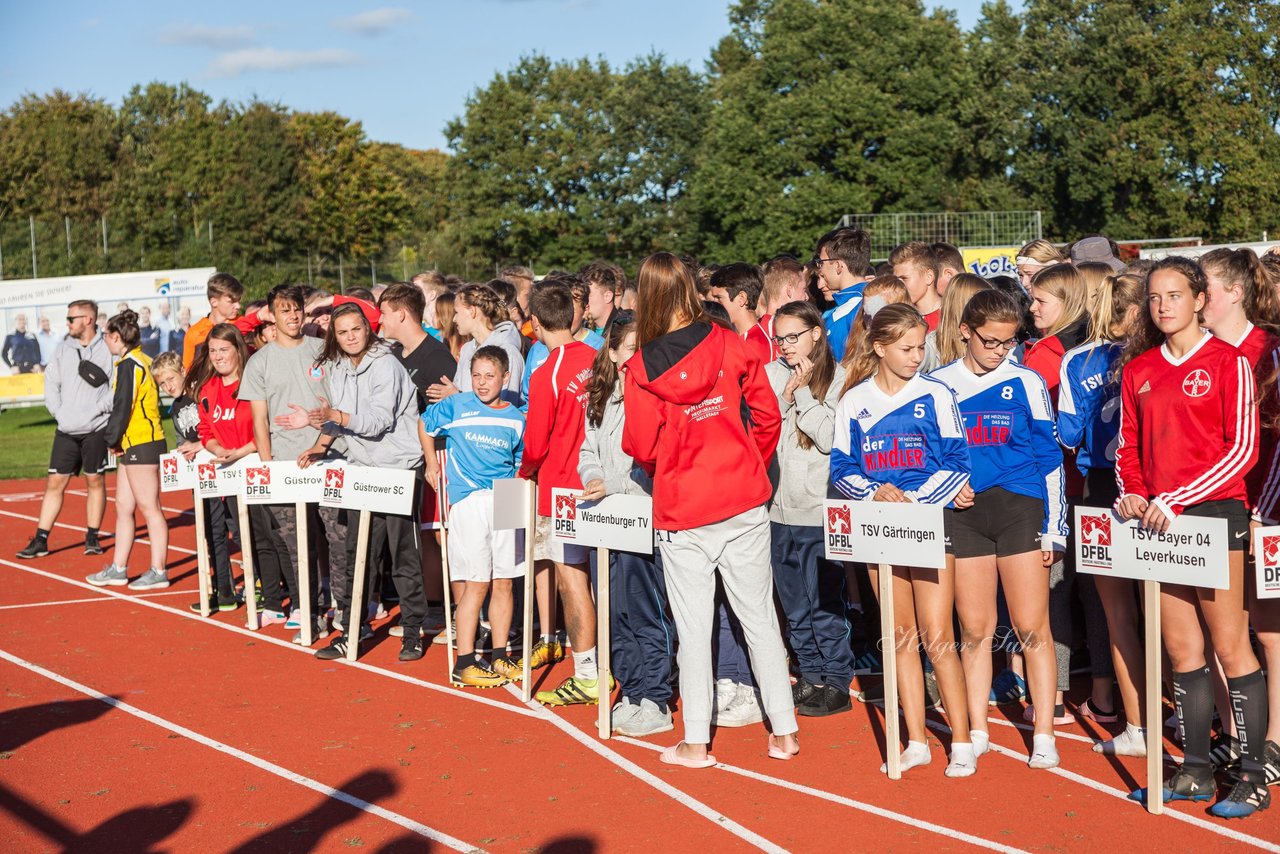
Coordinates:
[553,436]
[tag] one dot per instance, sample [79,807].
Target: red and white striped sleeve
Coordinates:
[1240,434]
[1129,479]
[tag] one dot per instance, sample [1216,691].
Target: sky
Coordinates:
[404,71]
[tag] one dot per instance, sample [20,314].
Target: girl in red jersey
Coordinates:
[1243,309]
[226,431]
[1188,436]
[702,419]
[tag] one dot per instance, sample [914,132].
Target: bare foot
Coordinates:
[695,752]
[788,744]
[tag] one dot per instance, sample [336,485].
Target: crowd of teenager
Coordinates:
[741,397]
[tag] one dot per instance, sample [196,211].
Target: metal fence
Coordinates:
[967,228]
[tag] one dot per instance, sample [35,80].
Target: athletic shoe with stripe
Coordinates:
[1224,753]
[868,664]
[1242,801]
[1271,752]
[573,691]
[477,676]
[1008,688]
[1186,784]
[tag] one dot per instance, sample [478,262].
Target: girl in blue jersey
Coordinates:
[898,437]
[1017,525]
[486,438]
[1089,421]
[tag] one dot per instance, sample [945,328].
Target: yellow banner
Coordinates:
[21,387]
[990,261]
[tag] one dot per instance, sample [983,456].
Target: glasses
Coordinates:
[818,262]
[996,343]
[78,317]
[779,340]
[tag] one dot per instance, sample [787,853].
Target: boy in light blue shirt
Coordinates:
[486,439]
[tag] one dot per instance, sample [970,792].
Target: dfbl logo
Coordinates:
[169,466]
[333,483]
[565,512]
[839,527]
[1271,563]
[1095,539]
[208,471]
[257,480]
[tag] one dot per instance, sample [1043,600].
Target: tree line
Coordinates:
[1131,118]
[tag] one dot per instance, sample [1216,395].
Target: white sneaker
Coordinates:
[109,576]
[152,579]
[648,719]
[726,693]
[744,709]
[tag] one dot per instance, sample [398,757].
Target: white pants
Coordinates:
[476,551]
[739,548]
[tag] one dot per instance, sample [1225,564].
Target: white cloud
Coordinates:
[374,22]
[206,36]
[270,59]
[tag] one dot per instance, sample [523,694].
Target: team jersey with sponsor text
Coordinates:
[1188,426]
[485,442]
[1089,404]
[1013,441]
[913,440]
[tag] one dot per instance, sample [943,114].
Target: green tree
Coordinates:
[57,154]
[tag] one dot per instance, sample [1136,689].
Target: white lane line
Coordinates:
[919,824]
[261,637]
[92,599]
[1124,796]
[142,540]
[679,796]
[257,762]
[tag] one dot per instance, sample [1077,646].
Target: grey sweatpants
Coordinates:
[322,524]
[739,548]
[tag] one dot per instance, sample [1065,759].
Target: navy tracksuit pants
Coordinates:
[642,634]
[811,590]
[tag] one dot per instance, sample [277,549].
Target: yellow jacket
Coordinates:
[135,411]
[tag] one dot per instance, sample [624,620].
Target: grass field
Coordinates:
[25,438]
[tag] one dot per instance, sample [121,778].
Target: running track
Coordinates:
[128,723]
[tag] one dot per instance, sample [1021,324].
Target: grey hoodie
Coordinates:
[506,336]
[75,405]
[382,403]
[602,457]
[801,476]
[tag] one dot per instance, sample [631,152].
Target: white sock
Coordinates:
[917,753]
[1044,752]
[964,762]
[1131,742]
[981,740]
[584,664]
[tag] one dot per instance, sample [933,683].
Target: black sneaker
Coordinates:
[1186,784]
[91,544]
[1224,753]
[228,602]
[213,605]
[1242,801]
[803,691]
[874,694]
[38,547]
[337,648]
[411,647]
[827,700]
[1271,753]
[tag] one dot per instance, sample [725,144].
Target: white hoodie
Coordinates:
[506,336]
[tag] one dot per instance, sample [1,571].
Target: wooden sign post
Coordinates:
[604,722]
[515,507]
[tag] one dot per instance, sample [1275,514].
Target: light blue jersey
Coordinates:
[1089,405]
[485,444]
[913,440]
[538,354]
[1013,442]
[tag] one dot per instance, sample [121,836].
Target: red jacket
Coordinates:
[555,424]
[703,421]
[223,417]
[759,340]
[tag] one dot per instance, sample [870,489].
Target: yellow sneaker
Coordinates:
[477,676]
[542,654]
[506,667]
[571,692]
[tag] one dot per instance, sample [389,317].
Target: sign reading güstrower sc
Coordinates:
[885,532]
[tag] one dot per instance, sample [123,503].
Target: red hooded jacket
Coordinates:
[703,421]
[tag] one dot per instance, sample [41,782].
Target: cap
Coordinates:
[1095,250]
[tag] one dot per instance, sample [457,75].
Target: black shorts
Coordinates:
[146,454]
[999,523]
[85,452]
[1100,489]
[1236,514]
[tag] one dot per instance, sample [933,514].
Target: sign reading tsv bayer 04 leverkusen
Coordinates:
[903,534]
[618,522]
[1192,552]
[283,482]
[365,488]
